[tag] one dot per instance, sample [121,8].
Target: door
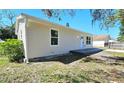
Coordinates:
[81,42]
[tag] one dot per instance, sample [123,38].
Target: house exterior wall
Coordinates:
[98,43]
[38,40]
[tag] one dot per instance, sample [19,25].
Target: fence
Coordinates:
[116,45]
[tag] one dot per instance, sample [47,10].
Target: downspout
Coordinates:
[26,59]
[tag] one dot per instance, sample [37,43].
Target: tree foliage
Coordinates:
[121,34]
[7,33]
[58,13]
[7,24]
[106,18]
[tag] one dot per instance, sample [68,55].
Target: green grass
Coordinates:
[84,70]
[3,60]
[116,54]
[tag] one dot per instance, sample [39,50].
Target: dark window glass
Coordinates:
[54,33]
[54,41]
[87,40]
[87,37]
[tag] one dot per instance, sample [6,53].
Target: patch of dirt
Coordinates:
[107,57]
[101,55]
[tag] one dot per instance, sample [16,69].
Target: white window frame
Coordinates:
[51,37]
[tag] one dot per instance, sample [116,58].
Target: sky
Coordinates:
[81,21]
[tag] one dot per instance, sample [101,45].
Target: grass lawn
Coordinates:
[83,70]
[117,54]
[3,60]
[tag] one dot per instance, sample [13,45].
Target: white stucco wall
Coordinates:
[38,37]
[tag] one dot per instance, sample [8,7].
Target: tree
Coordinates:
[106,18]
[7,33]
[121,34]
[7,24]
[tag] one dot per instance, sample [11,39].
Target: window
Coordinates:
[88,40]
[54,37]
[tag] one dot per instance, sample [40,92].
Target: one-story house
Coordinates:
[43,38]
[101,40]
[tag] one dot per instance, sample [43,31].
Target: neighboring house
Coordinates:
[101,40]
[42,38]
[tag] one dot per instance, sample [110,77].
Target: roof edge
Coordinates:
[39,19]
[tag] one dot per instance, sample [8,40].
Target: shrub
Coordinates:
[13,49]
